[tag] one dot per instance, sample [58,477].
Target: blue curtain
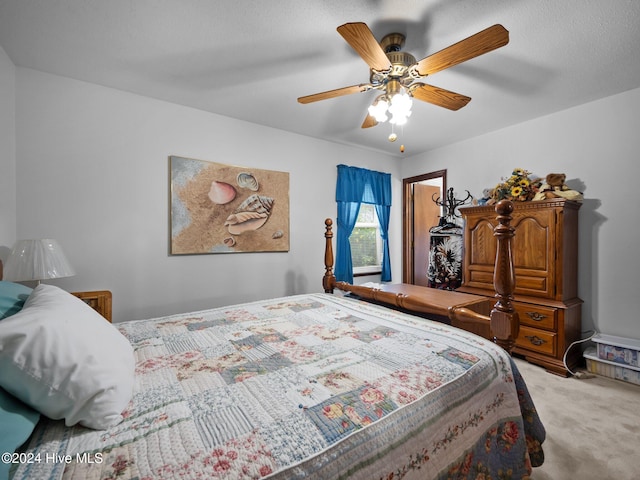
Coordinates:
[355,186]
[384,212]
[347,216]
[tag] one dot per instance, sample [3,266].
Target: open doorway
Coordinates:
[420,213]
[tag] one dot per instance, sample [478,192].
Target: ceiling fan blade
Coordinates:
[439,96]
[482,42]
[359,36]
[369,121]
[338,92]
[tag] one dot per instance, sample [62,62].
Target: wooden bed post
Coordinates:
[329,279]
[505,323]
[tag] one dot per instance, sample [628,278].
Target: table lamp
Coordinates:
[37,260]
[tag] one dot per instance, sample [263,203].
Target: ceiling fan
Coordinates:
[394,72]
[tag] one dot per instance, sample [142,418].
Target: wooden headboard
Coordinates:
[472,312]
[99,300]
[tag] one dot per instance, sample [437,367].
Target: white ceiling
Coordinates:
[251,59]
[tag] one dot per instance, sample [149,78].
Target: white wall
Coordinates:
[92,172]
[596,145]
[7,154]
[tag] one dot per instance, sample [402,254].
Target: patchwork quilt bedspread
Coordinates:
[310,386]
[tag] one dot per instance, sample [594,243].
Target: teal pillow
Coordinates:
[12,297]
[17,421]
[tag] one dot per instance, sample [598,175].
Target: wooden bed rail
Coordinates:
[467,311]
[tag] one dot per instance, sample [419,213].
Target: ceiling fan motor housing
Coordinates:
[392,42]
[400,63]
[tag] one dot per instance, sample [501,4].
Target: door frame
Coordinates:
[407,219]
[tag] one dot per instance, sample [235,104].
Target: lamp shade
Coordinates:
[37,260]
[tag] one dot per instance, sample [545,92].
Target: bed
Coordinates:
[314,386]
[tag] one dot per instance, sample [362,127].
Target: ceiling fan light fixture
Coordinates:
[400,108]
[378,109]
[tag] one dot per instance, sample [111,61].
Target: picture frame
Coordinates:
[220,208]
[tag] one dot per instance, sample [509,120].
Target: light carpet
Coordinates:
[593,426]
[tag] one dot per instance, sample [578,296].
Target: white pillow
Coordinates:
[64,359]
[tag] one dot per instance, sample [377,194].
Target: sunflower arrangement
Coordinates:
[518,187]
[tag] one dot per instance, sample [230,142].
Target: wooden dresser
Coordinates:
[545,253]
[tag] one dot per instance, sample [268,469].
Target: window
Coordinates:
[366,242]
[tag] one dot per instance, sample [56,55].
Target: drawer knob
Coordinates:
[538,317]
[535,340]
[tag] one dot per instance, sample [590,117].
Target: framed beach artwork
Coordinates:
[218,208]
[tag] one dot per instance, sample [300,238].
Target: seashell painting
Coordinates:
[251,214]
[227,209]
[221,193]
[247,180]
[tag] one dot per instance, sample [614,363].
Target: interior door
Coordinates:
[420,213]
[426,214]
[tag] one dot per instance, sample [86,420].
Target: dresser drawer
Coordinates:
[536,315]
[537,340]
